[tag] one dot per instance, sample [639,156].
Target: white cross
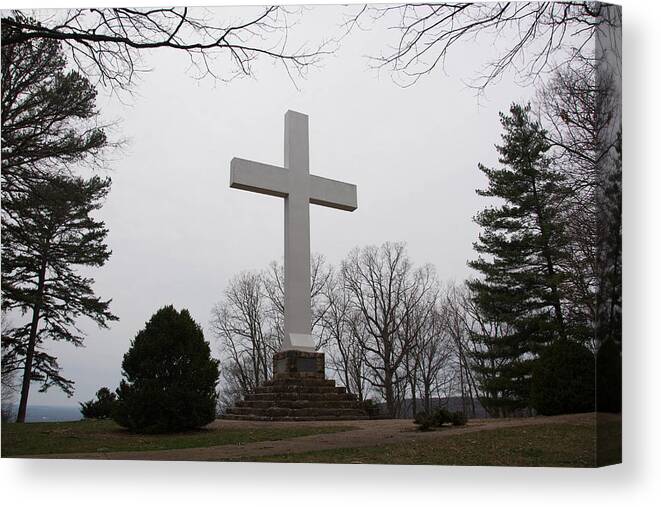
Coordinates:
[299,188]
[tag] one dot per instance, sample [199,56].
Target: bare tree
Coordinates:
[435,354]
[458,324]
[231,385]
[107,43]
[532,37]
[274,286]
[274,290]
[579,107]
[416,327]
[240,324]
[342,324]
[475,339]
[384,288]
[411,373]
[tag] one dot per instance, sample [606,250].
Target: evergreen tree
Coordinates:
[100,408]
[563,379]
[50,234]
[520,257]
[48,115]
[169,377]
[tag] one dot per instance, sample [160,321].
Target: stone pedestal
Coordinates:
[292,363]
[298,391]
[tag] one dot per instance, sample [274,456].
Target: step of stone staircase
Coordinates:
[296,404]
[279,412]
[293,396]
[233,417]
[286,380]
[294,388]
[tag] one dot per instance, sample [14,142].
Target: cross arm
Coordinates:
[333,193]
[257,177]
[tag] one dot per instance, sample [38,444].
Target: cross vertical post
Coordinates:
[298,315]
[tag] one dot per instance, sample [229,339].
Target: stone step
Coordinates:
[291,396]
[250,417]
[298,404]
[283,380]
[297,388]
[296,412]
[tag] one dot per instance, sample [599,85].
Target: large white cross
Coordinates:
[299,188]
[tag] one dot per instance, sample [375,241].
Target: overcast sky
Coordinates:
[178,232]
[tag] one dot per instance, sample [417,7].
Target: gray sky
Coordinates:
[178,232]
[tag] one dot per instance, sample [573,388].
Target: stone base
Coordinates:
[296,363]
[298,391]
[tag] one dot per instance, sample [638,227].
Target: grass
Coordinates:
[609,441]
[551,445]
[106,436]
[559,444]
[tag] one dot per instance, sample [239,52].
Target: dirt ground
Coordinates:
[365,434]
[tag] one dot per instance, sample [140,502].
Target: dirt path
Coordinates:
[366,434]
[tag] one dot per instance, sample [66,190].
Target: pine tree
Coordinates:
[100,408]
[563,379]
[49,115]
[51,234]
[520,257]
[170,377]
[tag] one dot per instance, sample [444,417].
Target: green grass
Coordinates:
[553,445]
[106,436]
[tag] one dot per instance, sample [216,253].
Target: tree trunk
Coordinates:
[32,342]
[414,403]
[414,396]
[550,269]
[427,386]
[390,395]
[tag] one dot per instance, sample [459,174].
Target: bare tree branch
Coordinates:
[528,35]
[107,43]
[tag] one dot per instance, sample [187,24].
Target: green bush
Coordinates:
[169,377]
[438,418]
[563,380]
[424,421]
[442,416]
[458,419]
[102,407]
